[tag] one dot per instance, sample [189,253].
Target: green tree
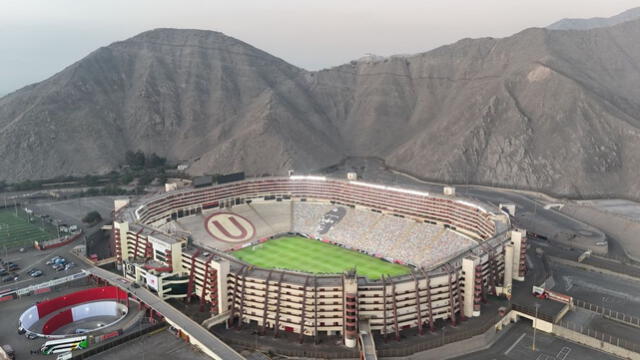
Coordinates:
[155,161]
[135,159]
[92,217]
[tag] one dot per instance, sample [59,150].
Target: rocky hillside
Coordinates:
[596,22]
[542,109]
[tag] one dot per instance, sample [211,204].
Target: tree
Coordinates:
[155,161]
[146,178]
[126,178]
[92,217]
[135,159]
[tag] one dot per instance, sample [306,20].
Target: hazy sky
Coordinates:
[40,37]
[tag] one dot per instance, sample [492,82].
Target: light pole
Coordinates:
[55,222]
[535,323]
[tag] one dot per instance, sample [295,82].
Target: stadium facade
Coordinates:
[311,304]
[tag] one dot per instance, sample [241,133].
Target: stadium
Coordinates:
[321,256]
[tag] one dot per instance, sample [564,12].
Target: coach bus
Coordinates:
[64,345]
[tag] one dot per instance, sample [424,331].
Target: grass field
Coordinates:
[301,254]
[16,231]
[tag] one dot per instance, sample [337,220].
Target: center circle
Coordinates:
[229,227]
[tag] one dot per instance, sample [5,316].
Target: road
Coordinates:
[610,292]
[194,329]
[517,345]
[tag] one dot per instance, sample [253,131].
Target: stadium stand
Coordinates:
[395,237]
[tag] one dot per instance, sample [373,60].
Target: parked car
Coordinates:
[53,259]
[58,267]
[3,271]
[35,273]
[69,266]
[12,266]
[10,278]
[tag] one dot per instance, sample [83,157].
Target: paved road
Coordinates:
[598,289]
[193,328]
[368,344]
[517,345]
[593,324]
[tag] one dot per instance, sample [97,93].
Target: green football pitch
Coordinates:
[313,256]
[17,231]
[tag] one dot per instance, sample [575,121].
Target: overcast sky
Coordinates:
[40,37]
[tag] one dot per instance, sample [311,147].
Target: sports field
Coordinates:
[16,231]
[301,254]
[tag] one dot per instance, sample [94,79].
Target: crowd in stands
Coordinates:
[402,239]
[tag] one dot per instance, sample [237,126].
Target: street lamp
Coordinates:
[535,323]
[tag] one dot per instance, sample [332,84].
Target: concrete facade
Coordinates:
[310,304]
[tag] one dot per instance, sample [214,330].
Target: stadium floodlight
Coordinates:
[411,192]
[307,177]
[383,187]
[375,186]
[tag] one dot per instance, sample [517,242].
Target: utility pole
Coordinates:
[57,227]
[535,323]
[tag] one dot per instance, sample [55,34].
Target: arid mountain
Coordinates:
[542,109]
[596,22]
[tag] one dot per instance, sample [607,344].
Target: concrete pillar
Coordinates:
[518,248]
[508,267]
[468,268]
[350,309]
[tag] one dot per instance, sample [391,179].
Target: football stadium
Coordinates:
[321,256]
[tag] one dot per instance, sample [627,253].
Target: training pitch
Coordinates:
[313,256]
[16,231]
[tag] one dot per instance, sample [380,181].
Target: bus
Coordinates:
[64,345]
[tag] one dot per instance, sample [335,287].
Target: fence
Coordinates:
[100,347]
[402,349]
[409,349]
[608,313]
[599,336]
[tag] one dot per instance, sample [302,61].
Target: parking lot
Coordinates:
[595,325]
[517,345]
[32,259]
[156,345]
[608,291]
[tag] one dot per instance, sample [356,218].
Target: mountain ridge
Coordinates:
[492,111]
[595,22]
